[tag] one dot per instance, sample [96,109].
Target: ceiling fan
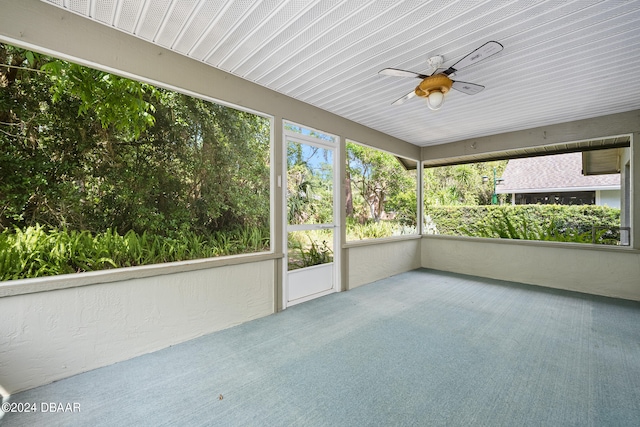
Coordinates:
[435,85]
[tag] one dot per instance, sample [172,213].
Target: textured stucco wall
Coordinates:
[613,273]
[47,336]
[368,263]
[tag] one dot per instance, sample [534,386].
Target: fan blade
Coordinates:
[401,73]
[483,52]
[468,88]
[404,98]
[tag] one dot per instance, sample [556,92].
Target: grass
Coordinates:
[37,251]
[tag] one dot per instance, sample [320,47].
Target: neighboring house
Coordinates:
[558,179]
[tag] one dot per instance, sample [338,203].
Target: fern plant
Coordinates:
[38,251]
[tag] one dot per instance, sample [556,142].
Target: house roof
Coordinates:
[563,60]
[560,172]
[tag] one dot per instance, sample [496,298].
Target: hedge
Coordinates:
[573,223]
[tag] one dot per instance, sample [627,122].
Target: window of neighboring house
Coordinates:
[99,171]
[533,198]
[381,194]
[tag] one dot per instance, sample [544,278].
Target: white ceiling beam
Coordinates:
[575,131]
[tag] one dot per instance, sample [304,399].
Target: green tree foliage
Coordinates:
[309,184]
[118,103]
[86,150]
[379,187]
[465,184]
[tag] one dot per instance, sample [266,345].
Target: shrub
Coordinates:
[377,229]
[530,222]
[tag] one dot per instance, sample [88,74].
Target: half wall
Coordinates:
[46,336]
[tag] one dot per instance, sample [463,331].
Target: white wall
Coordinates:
[46,336]
[613,272]
[609,198]
[368,261]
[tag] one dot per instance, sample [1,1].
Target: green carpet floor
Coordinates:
[422,348]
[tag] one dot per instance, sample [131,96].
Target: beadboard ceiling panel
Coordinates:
[563,60]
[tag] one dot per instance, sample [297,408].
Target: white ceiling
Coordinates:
[563,60]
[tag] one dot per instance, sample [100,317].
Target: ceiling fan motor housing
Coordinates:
[438,82]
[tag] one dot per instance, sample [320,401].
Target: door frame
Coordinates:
[336,226]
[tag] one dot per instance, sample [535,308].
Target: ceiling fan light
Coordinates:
[435,100]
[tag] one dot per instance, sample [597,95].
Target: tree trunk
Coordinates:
[380,204]
[349,195]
